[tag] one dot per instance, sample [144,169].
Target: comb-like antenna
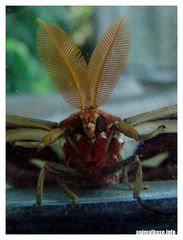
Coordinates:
[107,61]
[64,63]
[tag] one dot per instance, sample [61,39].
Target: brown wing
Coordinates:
[163,116]
[169,112]
[159,154]
[14,121]
[21,133]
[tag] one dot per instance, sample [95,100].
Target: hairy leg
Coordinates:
[128,130]
[67,191]
[51,137]
[62,172]
[124,164]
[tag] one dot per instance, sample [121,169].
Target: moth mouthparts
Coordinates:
[91,127]
[90,130]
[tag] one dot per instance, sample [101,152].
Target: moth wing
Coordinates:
[23,161]
[165,115]
[15,121]
[159,154]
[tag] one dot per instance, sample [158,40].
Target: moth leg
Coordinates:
[59,170]
[124,178]
[157,131]
[40,185]
[109,138]
[128,130]
[136,186]
[50,137]
[123,164]
[67,191]
[138,177]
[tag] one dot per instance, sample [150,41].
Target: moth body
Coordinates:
[90,156]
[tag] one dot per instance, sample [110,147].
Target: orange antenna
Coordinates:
[64,63]
[107,61]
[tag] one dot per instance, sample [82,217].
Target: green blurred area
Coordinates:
[25,72]
[152,55]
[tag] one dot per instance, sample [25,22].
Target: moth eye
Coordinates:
[84,121]
[100,125]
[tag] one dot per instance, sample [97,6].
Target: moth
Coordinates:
[90,140]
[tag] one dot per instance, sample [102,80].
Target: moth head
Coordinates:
[89,119]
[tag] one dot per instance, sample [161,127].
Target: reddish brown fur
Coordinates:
[91,157]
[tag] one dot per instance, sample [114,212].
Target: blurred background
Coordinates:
[148,81]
